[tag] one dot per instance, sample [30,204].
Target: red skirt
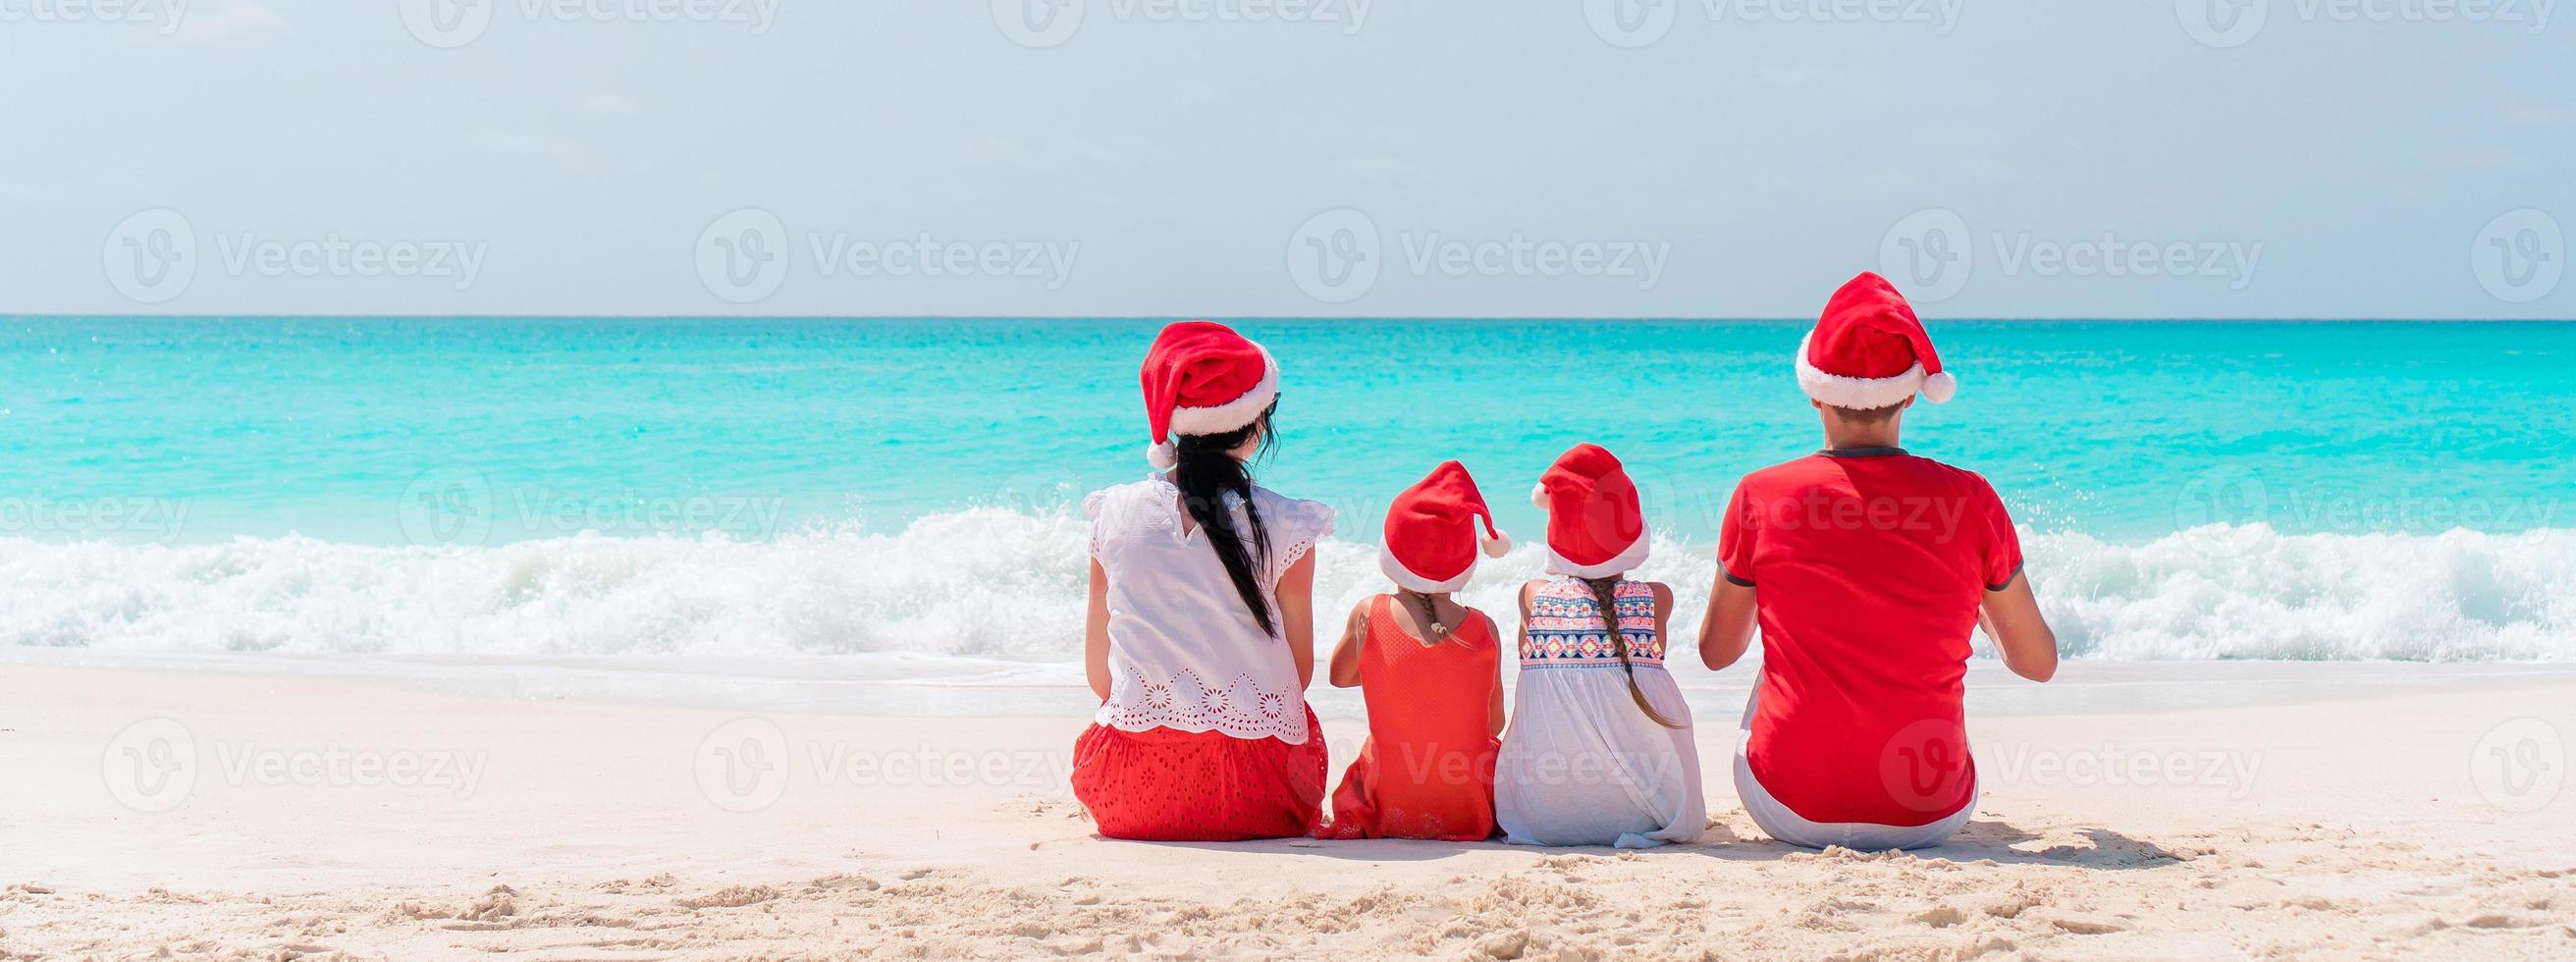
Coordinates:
[1174,786]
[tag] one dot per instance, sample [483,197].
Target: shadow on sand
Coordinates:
[2000,842]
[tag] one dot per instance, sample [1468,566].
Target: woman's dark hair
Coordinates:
[1206,472]
[1605,596]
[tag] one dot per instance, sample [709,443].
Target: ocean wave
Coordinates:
[994,582]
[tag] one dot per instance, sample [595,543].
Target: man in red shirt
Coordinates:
[1865,567]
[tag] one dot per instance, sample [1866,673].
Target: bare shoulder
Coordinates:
[1663,595]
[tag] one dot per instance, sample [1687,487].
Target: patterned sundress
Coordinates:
[1581,764]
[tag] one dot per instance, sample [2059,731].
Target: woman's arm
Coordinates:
[2011,617]
[1346,653]
[1727,630]
[1296,593]
[1095,633]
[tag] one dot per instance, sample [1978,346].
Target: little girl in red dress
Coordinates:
[1428,668]
[1200,635]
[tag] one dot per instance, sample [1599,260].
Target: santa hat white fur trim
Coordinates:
[1868,393]
[1627,560]
[1236,414]
[1405,578]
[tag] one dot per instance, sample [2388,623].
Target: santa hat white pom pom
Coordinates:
[1498,545]
[1163,456]
[1939,387]
[1538,496]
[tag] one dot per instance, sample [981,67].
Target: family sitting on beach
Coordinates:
[1865,568]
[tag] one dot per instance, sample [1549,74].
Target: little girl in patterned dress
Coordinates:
[1599,751]
[1200,636]
[1429,671]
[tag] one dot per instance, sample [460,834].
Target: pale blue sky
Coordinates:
[584,158]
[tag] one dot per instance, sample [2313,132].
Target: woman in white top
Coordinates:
[1599,751]
[1200,639]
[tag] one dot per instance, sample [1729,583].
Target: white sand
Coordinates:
[307,815]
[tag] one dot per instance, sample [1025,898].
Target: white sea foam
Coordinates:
[989,582]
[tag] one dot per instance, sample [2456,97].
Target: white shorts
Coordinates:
[1777,821]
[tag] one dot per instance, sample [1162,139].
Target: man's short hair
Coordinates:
[1865,415]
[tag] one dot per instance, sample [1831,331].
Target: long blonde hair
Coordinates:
[1605,596]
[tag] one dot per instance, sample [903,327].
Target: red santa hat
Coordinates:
[1870,351]
[1201,377]
[1595,527]
[1431,537]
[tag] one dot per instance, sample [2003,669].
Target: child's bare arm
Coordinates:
[1663,609]
[1296,594]
[1494,714]
[1095,634]
[1346,653]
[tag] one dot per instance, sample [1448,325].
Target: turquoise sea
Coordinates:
[533,486]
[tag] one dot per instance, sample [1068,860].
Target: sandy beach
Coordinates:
[273,813]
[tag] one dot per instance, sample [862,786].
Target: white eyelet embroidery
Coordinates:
[1242,709]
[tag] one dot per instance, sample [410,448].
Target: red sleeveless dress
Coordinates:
[1427,770]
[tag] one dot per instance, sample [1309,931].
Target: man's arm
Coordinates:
[1727,629]
[2011,617]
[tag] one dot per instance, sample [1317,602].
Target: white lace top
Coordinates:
[1184,652]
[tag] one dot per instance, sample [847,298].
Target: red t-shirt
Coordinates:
[1867,566]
